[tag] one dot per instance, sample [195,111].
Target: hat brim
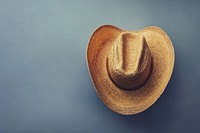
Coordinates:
[119,100]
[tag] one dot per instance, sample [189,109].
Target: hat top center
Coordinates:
[129,61]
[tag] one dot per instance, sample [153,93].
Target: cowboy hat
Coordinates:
[130,69]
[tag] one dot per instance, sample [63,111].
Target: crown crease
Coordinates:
[130,61]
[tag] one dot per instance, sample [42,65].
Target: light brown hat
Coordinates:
[130,69]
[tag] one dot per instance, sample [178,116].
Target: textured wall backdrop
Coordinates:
[44,82]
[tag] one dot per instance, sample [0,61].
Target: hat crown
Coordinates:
[129,62]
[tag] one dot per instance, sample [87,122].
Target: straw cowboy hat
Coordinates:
[130,69]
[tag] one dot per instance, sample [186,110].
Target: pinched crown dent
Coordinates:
[129,62]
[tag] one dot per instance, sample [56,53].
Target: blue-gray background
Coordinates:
[44,82]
